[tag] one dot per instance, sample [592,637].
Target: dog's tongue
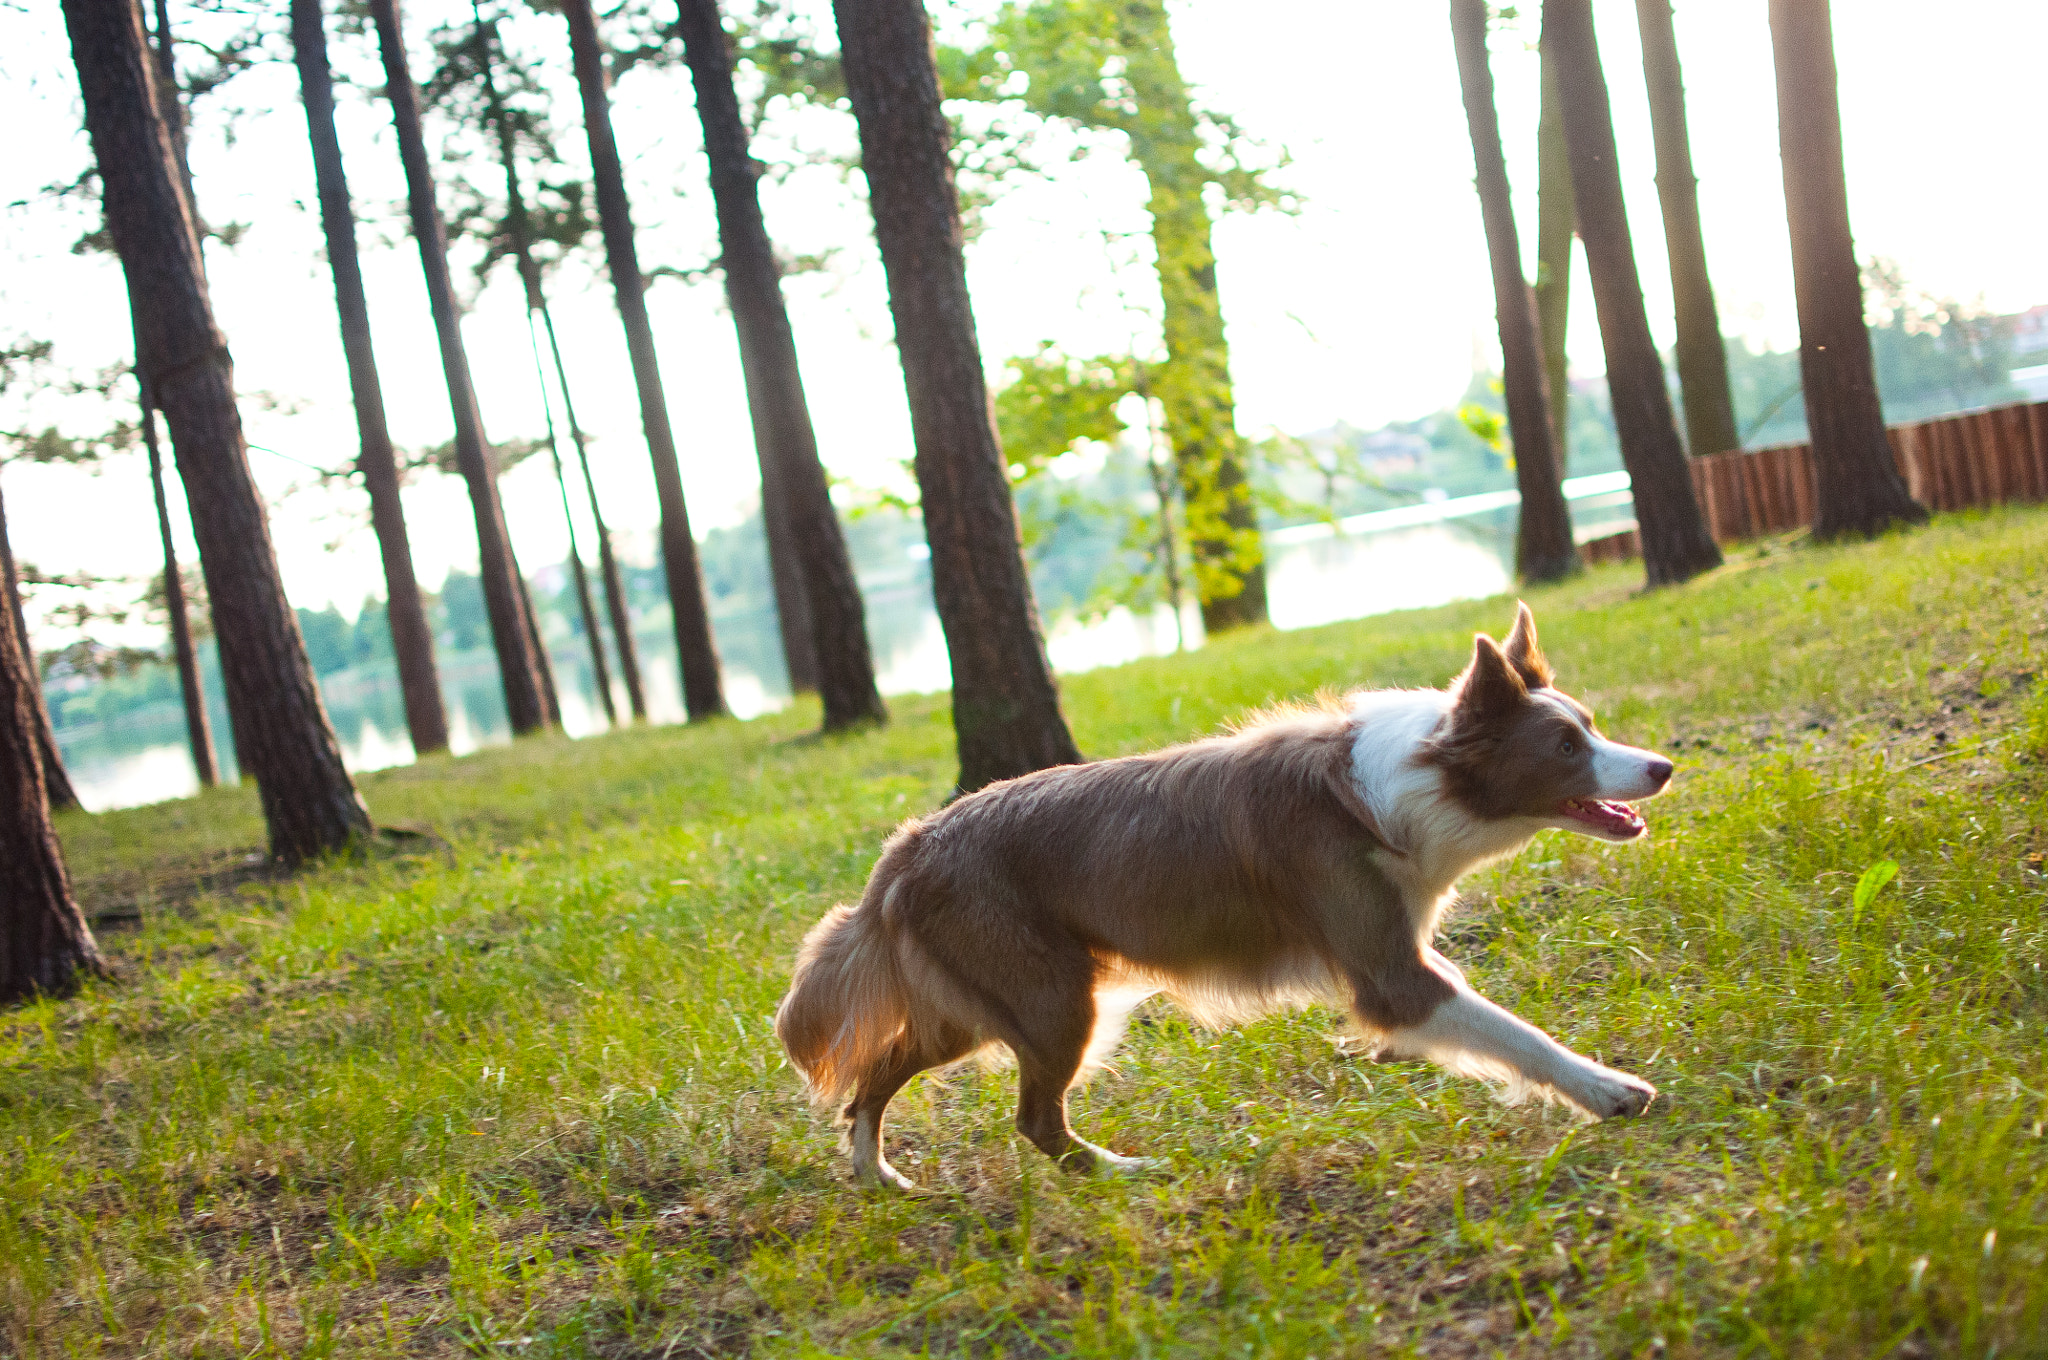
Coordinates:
[1614,818]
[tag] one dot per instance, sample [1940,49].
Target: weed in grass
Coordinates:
[517,1093]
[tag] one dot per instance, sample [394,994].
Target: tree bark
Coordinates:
[46,948]
[521,659]
[1702,360]
[412,641]
[607,564]
[1006,713]
[1557,223]
[282,736]
[703,686]
[56,780]
[1857,486]
[198,727]
[1194,385]
[813,561]
[1544,550]
[1675,538]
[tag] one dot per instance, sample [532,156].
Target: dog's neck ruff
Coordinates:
[1434,840]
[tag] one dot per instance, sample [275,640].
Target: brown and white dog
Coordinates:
[1306,856]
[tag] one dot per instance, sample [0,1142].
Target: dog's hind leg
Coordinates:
[1049,1056]
[935,1046]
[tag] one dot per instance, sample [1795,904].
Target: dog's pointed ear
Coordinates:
[1489,686]
[1524,653]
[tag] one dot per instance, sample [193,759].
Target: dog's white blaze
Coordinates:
[1472,1035]
[1618,771]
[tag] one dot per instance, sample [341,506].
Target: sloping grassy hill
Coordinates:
[514,1092]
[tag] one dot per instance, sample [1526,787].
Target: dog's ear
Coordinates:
[1524,653]
[1489,687]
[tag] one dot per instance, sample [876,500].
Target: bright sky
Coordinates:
[1372,304]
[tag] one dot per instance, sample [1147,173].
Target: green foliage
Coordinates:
[519,1094]
[1052,402]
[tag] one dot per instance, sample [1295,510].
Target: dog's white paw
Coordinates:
[882,1176]
[1605,1093]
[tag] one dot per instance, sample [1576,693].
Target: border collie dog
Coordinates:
[1306,856]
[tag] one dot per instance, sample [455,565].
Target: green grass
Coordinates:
[517,1094]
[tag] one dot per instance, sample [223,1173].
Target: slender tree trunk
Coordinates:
[522,661]
[198,728]
[519,227]
[1857,487]
[1676,542]
[412,641]
[1702,359]
[1557,223]
[703,687]
[813,559]
[601,674]
[1006,712]
[1544,550]
[282,736]
[1194,385]
[46,948]
[56,781]
[608,565]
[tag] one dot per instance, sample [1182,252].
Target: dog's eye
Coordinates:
[1567,746]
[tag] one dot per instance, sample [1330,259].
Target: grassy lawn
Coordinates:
[513,1091]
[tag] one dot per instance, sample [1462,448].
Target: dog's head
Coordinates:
[1512,748]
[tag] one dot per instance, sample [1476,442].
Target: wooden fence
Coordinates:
[1975,458]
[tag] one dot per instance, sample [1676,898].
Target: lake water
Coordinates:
[1313,578]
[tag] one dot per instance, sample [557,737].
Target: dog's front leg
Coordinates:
[1467,1033]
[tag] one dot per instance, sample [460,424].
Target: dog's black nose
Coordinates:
[1660,772]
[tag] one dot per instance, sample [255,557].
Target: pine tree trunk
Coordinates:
[519,227]
[1702,359]
[1675,538]
[198,727]
[1006,713]
[1857,487]
[703,687]
[607,564]
[796,498]
[1557,223]
[521,661]
[282,736]
[1194,385]
[412,641]
[46,949]
[1544,550]
[56,780]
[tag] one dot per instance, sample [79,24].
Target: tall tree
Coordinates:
[56,781]
[819,571]
[1006,713]
[1857,487]
[198,727]
[1702,359]
[412,641]
[518,240]
[1557,223]
[703,687]
[170,105]
[46,948]
[1111,64]
[1676,542]
[522,660]
[282,735]
[1544,550]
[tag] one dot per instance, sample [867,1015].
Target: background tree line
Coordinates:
[1105,65]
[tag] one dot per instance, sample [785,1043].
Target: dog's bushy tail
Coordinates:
[847,1004]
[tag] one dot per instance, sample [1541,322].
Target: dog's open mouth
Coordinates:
[1603,817]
